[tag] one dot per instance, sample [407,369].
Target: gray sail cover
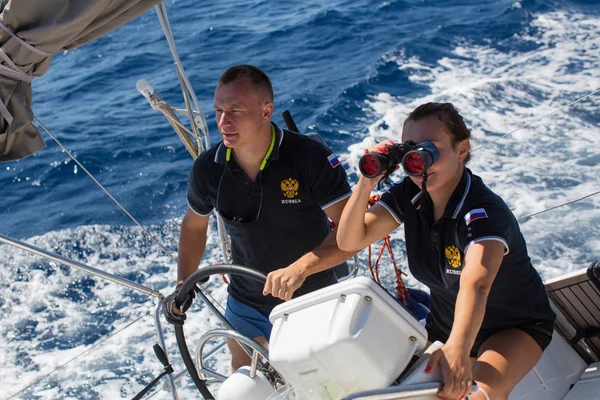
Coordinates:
[31,31]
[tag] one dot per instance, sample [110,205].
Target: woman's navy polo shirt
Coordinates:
[436,252]
[281,212]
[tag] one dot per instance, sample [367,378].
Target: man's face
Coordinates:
[241,113]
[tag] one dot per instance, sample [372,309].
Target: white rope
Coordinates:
[161,11]
[185,112]
[179,124]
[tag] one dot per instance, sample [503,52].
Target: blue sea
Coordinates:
[349,70]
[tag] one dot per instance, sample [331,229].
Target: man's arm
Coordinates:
[192,243]
[283,282]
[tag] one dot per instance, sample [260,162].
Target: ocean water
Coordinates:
[350,70]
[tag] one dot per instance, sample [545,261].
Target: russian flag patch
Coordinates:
[478,213]
[333,160]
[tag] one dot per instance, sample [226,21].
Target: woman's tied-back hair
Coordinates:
[449,116]
[257,77]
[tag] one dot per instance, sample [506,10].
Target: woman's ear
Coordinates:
[463,147]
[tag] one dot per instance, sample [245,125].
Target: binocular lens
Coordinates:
[414,163]
[370,165]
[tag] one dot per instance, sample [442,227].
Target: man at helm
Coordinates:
[276,191]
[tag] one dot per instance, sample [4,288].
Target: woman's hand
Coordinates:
[381,147]
[357,227]
[456,371]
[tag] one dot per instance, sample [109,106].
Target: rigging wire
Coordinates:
[531,123]
[539,119]
[189,96]
[98,343]
[560,205]
[163,248]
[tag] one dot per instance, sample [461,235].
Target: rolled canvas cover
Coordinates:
[31,31]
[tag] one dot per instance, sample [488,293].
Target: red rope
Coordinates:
[386,245]
[224,277]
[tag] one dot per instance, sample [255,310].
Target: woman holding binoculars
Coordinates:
[488,304]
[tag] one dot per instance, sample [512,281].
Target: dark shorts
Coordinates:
[539,330]
[247,320]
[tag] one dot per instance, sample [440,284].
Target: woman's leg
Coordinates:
[504,359]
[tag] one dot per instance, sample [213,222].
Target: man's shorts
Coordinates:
[247,320]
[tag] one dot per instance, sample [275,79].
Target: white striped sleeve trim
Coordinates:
[390,211]
[345,196]
[196,212]
[482,239]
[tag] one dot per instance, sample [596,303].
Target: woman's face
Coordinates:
[449,166]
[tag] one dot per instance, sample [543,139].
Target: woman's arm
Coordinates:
[358,227]
[482,262]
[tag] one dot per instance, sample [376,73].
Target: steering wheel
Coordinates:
[190,284]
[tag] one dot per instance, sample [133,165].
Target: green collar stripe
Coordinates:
[264,161]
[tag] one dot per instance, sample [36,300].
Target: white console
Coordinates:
[342,339]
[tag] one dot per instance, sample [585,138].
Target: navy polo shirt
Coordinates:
[436,252]
[279,217]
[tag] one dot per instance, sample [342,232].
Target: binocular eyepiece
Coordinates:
[414,157]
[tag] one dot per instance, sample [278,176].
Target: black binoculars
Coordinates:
[414,157]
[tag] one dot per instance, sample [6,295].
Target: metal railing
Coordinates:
[129,284]
[77,265]
[414,391]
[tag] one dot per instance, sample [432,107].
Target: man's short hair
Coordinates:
[257,77]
